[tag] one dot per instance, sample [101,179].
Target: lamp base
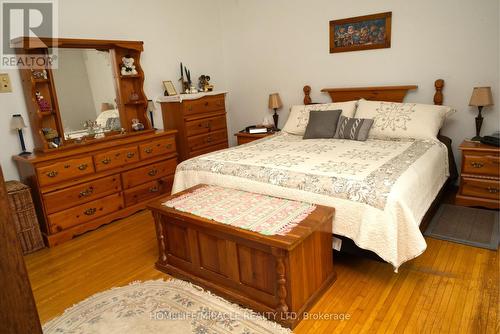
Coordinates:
[476,138]
[24,153]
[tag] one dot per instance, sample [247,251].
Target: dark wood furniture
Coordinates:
[124,85]
[480,176]
[245,137]
[18,312]
[81,189]
[200,122]
[24,219]
[280,275]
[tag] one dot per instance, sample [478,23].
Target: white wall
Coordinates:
[172,31]
[282,45]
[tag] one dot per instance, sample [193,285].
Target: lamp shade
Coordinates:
[17,122]
[151,106]
[275,101]
[481,97]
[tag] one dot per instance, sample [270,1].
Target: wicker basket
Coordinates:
[24,216]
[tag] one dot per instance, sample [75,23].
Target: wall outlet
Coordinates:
[5,86]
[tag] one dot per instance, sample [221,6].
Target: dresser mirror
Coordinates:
[86,93]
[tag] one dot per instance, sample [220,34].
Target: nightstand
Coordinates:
[245,137]
[480,176]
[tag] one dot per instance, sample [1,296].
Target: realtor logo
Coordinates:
[35,19]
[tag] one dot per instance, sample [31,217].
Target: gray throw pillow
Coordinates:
[322,124]
[353,128]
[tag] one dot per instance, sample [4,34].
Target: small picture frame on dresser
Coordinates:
[169,88]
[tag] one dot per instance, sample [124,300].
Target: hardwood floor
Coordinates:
[450,288]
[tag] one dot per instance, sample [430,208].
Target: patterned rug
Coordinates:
[255,212]
[172,306]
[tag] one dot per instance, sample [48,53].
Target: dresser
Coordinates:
[81,189]
[480,177]
[200,121]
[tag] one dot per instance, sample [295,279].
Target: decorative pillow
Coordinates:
[353,128]
[322,124]
[403,120]
[299,115]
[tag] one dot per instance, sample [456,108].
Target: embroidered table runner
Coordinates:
[259,213]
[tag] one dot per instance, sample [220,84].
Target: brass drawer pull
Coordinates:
[130,155]
[148,150]
[477,164]
[206,104]
[86,192]
[106,161]
[492,190]
[154,189]
[208,140]
[153,172]
[82,166]
[90,211]
[52,173]
[169,146]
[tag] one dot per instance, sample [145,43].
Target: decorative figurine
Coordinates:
[128,67]
[204,84]
[185,84]
[52,137]
[136,125]
[39,74]
[42,103]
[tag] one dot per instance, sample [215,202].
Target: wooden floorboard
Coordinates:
[451,288]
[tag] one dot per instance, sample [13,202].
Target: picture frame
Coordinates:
[361,33]
[169,88]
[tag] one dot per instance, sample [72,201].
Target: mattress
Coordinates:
[380,189]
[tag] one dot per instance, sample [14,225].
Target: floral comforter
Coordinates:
[380,189]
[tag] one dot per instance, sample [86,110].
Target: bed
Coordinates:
[381,189]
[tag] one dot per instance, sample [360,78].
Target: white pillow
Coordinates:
[299,115]
[403,120]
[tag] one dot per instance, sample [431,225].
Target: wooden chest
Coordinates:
[200,121]
[82,188]
[280,276]
[480,176]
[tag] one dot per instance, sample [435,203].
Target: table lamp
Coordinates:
[275,103]
[17,123]
[151,109]
[481,97]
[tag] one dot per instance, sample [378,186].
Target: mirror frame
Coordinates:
[125,85]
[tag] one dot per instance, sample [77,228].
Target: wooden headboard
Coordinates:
[383,93]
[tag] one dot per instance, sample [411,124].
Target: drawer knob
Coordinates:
[52,173]
[148,150]
[477,164]
[492,190]
[106,161]
[153,172]
[169,146]
[90,211]
[154,189]
[86,192]
[208,140]
[82,166]
[130,155]
[206,104]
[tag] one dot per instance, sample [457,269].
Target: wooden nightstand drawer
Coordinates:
[480,188]
[65,170]
[115,158]
[486,164]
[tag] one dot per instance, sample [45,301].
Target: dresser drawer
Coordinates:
[159,147]
[82,193]
[65,170]
[480,188]
[148,190]
[148,173]
[115,158]
[200,142]
[487,164]
[205,125]
[203,105]
[85,212]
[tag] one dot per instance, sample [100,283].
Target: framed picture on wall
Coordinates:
[361,33]
[169,88]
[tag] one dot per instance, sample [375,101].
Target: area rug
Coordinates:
[469,226]
[172,306]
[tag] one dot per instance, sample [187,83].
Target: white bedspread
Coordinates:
[380,189]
